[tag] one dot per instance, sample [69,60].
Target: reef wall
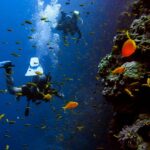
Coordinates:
[125,75]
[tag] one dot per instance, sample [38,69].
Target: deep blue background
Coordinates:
[78,61]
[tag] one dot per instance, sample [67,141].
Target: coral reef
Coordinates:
[126,81]
[136,136]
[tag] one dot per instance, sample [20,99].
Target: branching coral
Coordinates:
[130,136]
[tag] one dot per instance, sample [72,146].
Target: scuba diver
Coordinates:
[69,25]
[40,89]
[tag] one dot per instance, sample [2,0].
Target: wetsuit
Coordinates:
[34,91]
[68,24]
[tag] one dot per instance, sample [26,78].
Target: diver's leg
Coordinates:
[7,65]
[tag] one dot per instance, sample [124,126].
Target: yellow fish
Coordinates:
[31,84]
[2,116]
[119,70]
[128,92]
[38,73]
[147,83]
[47,97]
[71,105]
[7,147]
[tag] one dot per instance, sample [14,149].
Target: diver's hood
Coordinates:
[34,67]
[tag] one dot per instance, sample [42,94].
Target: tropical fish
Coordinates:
[81,5]
[134,83]
[32,84]
[19,94]
[118,70]
[2,116]
[34,46]
[128,92]
[20,48]
[15,54]
[47,96]
[18,42]
[27,125]
[115,47]
[7,147]
[59,116]
[97,78]
[10,121]
[50,47]
[43,126]
[7,136]
[67,3]
[148,83]
[80,128]
[9,30]
[91,33]
[44,18]
[30,37]
[66,44]
[71,105]
[74,38]
[129,47]
[28,22]
[32,30]
[38,73]
[69,79]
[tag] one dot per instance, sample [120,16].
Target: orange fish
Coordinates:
[71,105]
[118,70]
[129,47]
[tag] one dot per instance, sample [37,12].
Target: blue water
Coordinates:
[77,61]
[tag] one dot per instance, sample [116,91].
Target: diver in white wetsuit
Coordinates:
[36,91]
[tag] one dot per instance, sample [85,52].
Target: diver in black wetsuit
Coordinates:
[36,91]
[69,25]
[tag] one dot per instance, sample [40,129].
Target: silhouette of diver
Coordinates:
[69,25]
[40,89]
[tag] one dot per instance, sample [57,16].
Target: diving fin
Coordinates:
[6,64]
[34,67]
